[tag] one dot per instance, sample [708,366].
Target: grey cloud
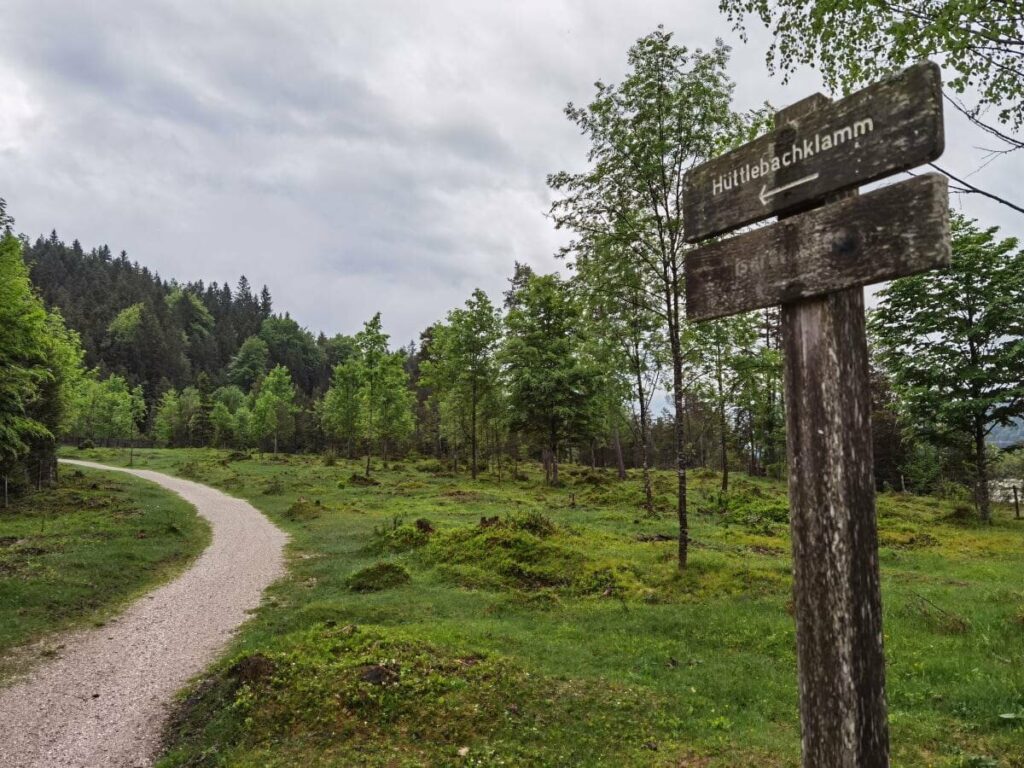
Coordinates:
[353,156]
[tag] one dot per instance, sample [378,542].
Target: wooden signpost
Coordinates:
[828,244]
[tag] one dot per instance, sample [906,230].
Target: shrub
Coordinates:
[951,491]
[431,466]
[506,552]
[963,513]
[536,523]
[401,538]
[190,469]
[86,445]
[592,478]
[302,509]
[363,480]
[377,577]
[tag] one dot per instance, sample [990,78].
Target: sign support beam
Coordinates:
[836,589]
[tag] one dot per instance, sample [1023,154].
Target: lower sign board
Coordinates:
[895,231]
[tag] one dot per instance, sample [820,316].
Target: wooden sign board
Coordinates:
[893,232]
[888,127]
[814,261]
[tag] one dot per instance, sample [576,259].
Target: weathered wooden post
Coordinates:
[827,245]
[1016,504]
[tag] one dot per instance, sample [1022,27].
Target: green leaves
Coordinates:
[551,388]
[273,413]
[854,42]
[23,355]
[462,371]
[105,409]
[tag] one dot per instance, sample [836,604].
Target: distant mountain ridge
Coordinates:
[1009,436]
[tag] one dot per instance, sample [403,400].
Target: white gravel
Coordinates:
[104,699]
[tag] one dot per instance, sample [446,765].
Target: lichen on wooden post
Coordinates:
[836,588]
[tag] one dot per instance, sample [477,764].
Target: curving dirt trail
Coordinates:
[104,700]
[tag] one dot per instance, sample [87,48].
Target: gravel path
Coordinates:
[103,701]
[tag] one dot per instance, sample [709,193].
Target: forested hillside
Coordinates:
[154,333]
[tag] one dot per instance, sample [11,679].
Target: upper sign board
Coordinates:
[888,127]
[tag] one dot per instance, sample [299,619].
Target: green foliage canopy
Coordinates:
[23,358]
[854,42]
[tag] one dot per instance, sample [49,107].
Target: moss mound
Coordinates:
[527,552]
[303,510]
[362,480]
[401,538]
[344,693]
[377,577]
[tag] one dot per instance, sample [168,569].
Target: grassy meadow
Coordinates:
[75,554]
[429,620]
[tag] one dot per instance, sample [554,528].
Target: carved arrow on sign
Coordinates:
[766,193]
[890,126]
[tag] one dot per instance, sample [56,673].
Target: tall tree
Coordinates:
[250,364]
[394,423]
[758,398]
[385,399]
[6,220]
[106,409]
[718,352]
[340,407]
[23,333]
[167,426]
[292,346]
[550,388]
[273,413]
[953,341]
[671,111]
[465,364]
[627,338]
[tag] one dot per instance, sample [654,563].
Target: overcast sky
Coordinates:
[353,156]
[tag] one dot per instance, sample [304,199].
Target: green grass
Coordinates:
[550,627]
[75,554]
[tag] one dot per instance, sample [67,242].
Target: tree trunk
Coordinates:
[680,448]
[554,465]
[498,451]
[275,443]
[725,452]
[981,468]
[367,459]
[472,437]
[619,461]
